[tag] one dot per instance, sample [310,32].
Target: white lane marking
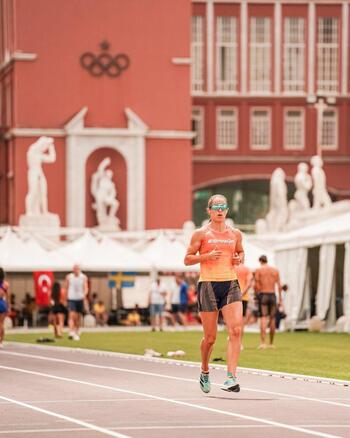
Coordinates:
[187,363]
[169,400]
[99,400]
[64,417]
[146,373]
[208,426]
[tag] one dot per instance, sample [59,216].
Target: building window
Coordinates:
[260,54]
[294,54]
[197,51]
[226,128]
[294,129]
[260,130]
[329,132]
[226,53]
[327,55]
[198,127]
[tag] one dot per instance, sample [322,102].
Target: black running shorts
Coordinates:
[214,295]
[267,304]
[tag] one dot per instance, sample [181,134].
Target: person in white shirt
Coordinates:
[156,304]
[77,290]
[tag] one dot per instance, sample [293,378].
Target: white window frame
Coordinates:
[197,54]
[230,45]
[260,58]
[294,62]
[222,119]
[328,61]
[268,145]
[290,147]
[330,147]
[199,118]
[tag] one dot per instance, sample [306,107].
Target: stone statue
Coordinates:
[321,198]
[278,212]
[104,192]
[303,184]
[42,151]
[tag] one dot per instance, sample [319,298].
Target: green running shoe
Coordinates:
[231,385]
[204,382]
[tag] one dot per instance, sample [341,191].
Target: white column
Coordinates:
[210,45]
[278,42]
[311,49]
[345,48]
[244,46]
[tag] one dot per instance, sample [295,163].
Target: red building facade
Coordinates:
[259,68]
[136,111]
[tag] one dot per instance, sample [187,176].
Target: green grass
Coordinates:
[320,354]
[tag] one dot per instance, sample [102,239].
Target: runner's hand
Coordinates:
[215,254]
[236,259]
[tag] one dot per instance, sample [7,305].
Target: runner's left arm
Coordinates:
[239,253]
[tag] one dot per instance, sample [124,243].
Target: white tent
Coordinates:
[253,252]
[17,255]
[165,254]
[103,255]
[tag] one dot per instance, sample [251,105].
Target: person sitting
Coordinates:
[134,317]
[99,311]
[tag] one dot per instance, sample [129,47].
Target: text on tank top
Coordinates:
[76,287]
[221,269]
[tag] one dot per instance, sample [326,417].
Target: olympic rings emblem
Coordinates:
[105,63]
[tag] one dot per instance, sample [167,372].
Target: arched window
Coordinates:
[248,201]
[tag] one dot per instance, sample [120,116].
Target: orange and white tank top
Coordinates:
[221,269]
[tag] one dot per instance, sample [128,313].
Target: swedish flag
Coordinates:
[121,279]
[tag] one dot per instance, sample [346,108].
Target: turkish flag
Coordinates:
[43,283]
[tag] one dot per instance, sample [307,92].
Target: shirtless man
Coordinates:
[218,247]
[266,280]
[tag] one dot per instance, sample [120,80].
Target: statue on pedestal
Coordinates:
[278,212]
[36,201]
[105,194]
[303,184]
[42,151]
[319,191]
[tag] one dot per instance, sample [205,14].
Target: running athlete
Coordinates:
[4,287]
[218,248]
[266,280]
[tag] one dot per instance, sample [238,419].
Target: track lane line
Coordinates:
[173,401]
[64,417]
[146,373]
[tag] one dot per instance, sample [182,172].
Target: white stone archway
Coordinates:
[130,143]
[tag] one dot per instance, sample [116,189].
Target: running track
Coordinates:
[51,392]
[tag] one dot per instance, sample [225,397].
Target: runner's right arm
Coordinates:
[192,258]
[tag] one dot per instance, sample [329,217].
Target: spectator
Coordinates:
[4,305]
[177,308]
[13,312]
[100,313]
[77,291]
[134,317]
[28,309]
[156,304]
[280,312]
[58,300]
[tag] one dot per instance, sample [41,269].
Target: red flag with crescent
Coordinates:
[43,283]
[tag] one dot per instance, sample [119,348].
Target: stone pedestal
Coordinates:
[48,220]
[109,224]
[314,215]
